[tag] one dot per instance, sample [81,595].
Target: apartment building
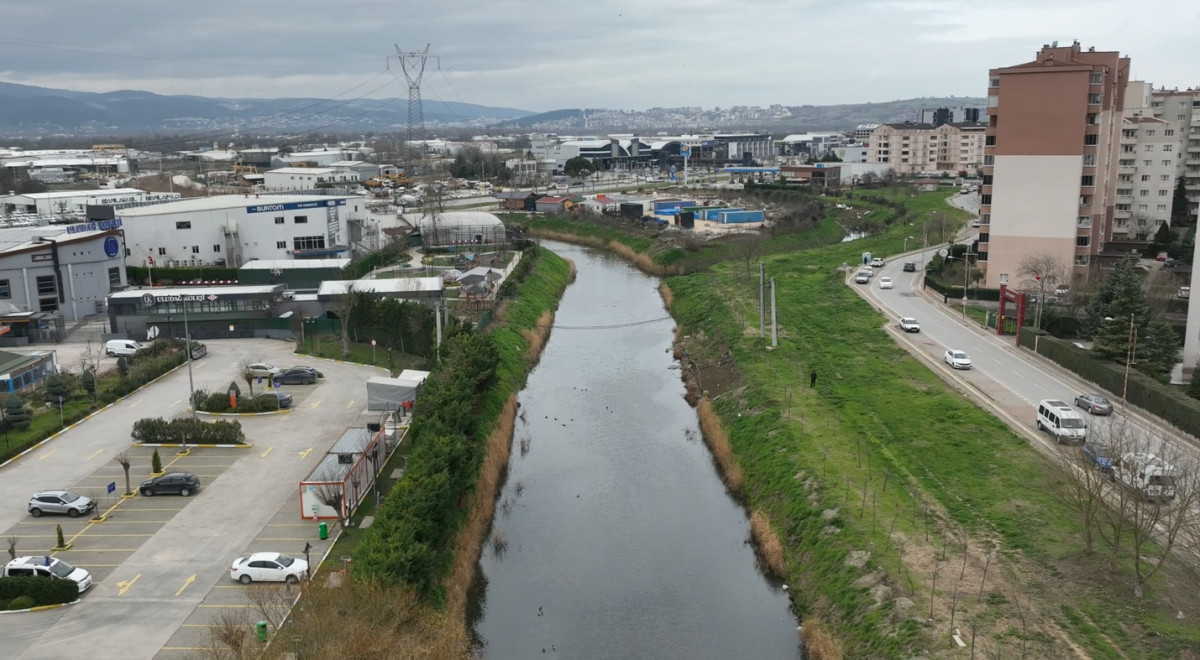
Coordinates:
[1050,161]
[1183,108]
[911,148]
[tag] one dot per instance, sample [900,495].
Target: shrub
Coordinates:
[155,430]
[15,413]
[40,590]
[21,603]
[155,463]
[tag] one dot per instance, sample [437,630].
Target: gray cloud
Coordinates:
[543,54]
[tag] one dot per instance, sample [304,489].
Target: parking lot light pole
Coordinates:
[187,346]
[906,242]
[1130,354]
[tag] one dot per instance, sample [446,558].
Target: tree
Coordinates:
[343,306]
[247,375]
[1163,239]
[56,389]
[1121,299]
[155,463]
[332,496]
[123,460]
[123,366]
[577,166]
[1160,347]
[15,413]
[1180,209]
[89,383]
[1039,271]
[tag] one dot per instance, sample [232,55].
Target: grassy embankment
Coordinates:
[896,498]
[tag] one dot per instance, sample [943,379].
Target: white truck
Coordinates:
[1146,474]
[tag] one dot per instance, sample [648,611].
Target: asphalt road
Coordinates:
[157,560]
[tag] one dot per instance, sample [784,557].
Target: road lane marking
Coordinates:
[177,401]
[135,404]
[315,404]
[348,405]
[186,584]
[47,454]
[124,585]
[98,452]
[305,453]
[268,451]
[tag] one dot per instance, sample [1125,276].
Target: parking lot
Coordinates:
[161,564]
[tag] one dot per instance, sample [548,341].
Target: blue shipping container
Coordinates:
[741,216]
[713,214]
[675,205]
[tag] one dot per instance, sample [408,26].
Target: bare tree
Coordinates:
[1039,271]
[12,547]
[123,460]
[1157,527]
[343,306]
[272,601]
[332,496]
[228,637]
[749,249]
[89,359]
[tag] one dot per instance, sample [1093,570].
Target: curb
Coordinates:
[40,608]
[258,414]
[88,416]
[357,364]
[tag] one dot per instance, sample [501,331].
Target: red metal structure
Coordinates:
[1009,295]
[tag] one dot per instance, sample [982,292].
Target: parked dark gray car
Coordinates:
[172,483]
[297,376]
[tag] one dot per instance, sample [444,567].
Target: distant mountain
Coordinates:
[27,111]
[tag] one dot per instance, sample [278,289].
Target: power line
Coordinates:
[609,327]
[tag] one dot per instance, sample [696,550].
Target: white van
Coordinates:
[1061,421]
[119,347]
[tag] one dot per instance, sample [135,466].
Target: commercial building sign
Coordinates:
[151,300]
[294,206]
[99,225]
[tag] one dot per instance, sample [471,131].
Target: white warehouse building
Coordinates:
[230,230]
[308,178]
[65,269]
[75,202]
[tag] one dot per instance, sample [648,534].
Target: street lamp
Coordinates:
[1130,353]
[906,242]
[966,259]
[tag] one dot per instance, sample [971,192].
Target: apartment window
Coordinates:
[1083,241]
[1127,192]
[1084,222]
[300,219]
[1127,149]
[1162,207]
[1087,180]
[5,289]
[1091,139]
[1081,259]
[1167,147]
[1147,162]
[308,243]
[281,245]
[984,237]
[1124,178]
[1166,162]
[1093,99]
[1163,193]
[985,219]
[279,219]
[1124,207]
[216,248]
[1143,207]
[987,179]
[1149,132]
[993,101]
[1089,160]
[1142,221]
[1092,118]
[1126,162]
[1085,200]
[1149,148]
[988,161]
[1145,177]
[1143,193]
[1170,132]
[1164,177]
[989,141]
[993,82]
[1096,78]
[985,200]
[195,249]
[184,224]
[114,277]
[982,256]
[162,252]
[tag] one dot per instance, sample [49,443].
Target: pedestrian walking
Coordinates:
[812,379]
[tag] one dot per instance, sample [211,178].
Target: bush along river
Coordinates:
[614,536]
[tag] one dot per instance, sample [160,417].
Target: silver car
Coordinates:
[1094,404]
[59,501]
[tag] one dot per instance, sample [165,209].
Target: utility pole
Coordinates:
[413,65]
[762,310]
[774,323]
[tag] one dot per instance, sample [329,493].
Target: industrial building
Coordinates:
[230,230]
[208,312]
[74,203]
[309,178]
[443,230]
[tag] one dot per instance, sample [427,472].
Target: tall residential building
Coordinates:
[910,148]
[1183,108]
[1050,160]
[1151,144]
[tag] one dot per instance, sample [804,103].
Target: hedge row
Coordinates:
[19,593]
[182,430]
[410,540]
[956,292]
[218,402]
[1169,403]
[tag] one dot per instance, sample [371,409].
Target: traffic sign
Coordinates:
[372,342]
[112,486]
[685,150]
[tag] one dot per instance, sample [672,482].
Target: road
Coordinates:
[1008,380]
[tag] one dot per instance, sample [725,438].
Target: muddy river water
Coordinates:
[614,536]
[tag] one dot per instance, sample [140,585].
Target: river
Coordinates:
[619,538]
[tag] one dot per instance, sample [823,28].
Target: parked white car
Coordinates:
[264,369]
[47,566]
[957,359]
[268,567]
[885,282]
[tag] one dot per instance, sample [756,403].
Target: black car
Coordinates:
[172,483]
[297,376]
[910,266]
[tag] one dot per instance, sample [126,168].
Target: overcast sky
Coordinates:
[542,55]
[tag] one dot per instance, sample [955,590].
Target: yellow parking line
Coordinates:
[124,585]
[47,455]
[177,402]
[315,404]
[348,405]
[135,404]
[97,453]
[268,451]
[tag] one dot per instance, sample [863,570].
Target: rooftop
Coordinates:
[394,285]
[220,203]
[244,290]
[294,264]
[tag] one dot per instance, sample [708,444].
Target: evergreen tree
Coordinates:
[1160,347]
[15,413]
[1127,307]
[89,383]
[122,366]
[1193,389]
[1097,307]
[1180,215]
[55,388]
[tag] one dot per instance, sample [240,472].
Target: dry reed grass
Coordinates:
[571,270]
[668,300]
[537,336]
[565,237]
[767,544]
[718,444]
[642,261]
[819,642]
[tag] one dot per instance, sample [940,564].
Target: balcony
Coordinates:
[1122,214]
[1126,170]
[1124,199]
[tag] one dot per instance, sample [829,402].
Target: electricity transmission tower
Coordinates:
[413,65]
